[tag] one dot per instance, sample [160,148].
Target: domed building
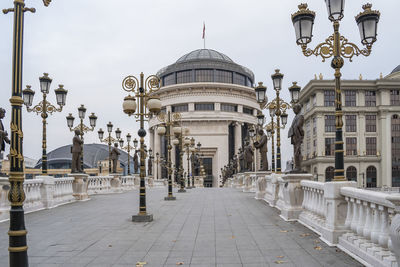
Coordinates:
[371,131]
[217,101]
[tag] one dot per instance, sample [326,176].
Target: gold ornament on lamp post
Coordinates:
[142,90]
[337,47]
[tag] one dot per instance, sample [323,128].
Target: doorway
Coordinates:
[208,180]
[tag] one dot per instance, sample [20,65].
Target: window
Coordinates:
[330,123]
[308,147]
[370,123]
[395,150]
[239,79]
[351,174]
[169,79]
[329,98]
[350,98]
[370,98]
[371,146]
[395,97]
[351,123]
[184,76]
[308,128]
[315,146]
[314,131]
[180,108]
[371,176]
[329,146]
[351,146]
[228,107]
[314,98]
[204,106]
[204,75]
[222,76]
[248,110]
[329,174]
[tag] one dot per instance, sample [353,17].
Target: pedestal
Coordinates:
[261,184]
[247,181]
[291,195]
[142,218]
[116,182]
[80,186]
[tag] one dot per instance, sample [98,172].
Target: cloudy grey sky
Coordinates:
[91,45]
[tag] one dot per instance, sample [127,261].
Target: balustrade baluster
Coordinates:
[368,222]
[384,231]
[354,222]
[361,220]
[349,215]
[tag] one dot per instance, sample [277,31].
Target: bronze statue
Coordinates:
[296,133]
[149,166]
[136,162]
[241,160]
[76,150]
[235,164]
[263,146]
[248,157]
[3,133]
[114,157]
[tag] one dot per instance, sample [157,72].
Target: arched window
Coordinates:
[329,173]
[371,176]
[351,174]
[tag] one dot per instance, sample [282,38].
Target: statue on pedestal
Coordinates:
[235,164]
[263,146]
[114,157]
[136,162]
[3,133]
[248,157]
[296,133]
[76,150]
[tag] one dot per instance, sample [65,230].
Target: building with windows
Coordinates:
[371,131]
[217,102]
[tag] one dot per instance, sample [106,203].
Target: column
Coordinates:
[384,146]
[238,136]
[362,149]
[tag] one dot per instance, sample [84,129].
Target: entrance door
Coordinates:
[208,180]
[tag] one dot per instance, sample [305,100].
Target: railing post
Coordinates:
[395,226]
[47,191]
[336,210]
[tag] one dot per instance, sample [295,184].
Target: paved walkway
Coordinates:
[204,227]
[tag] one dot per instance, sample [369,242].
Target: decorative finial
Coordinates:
[367,7]
[321,77]
[45,74]
[294,83]
[302,6]
[360,77]
[381,76]
[61,85]
[277,70]
[28,87]
[315,77]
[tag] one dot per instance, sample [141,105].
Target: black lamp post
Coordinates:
[338,47]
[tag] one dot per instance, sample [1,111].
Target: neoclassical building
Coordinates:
[217,101]
[371,131]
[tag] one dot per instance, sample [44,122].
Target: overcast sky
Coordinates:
[91,45]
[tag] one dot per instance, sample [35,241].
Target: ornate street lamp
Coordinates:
[109,140]
[192,150]
[128,148]
[337,47]
[187,146]
[44,108]
[81,126]
[143,90]
[18,255]
[294,92]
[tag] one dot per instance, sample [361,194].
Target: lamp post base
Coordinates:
[169,198]
[181,191]
[142,218]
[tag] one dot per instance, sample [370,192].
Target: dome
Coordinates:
[92,154]
[397,69]
[205,65]
[200,54]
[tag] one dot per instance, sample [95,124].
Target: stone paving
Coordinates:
[203,227]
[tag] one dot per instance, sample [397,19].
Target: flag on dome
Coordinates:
[204,30]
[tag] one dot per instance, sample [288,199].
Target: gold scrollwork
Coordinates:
[176,116]
[325,49]
[152,83]
[130,83]
[46,2]
[348,50]
[15,128]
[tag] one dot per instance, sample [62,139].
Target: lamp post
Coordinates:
[277,107]
[192,150]
[109,140]
[44,108]
[127,148]
[81,126]
[142,90]
[157,162]
[179,143]
[168,121]
[338,47]
[18,248]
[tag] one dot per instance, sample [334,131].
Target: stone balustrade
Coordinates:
[363,223]
[368,222]
[99,184]
[46,192]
